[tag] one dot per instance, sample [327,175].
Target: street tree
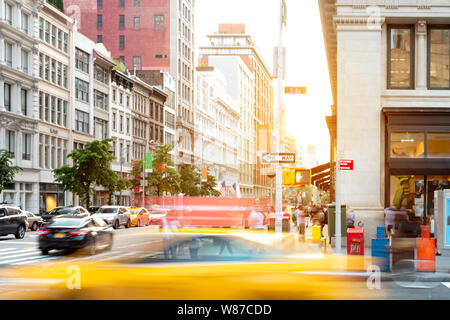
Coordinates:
[190,181]
[163,178]
[208,187]
[7,170]
[114,183]
[90,165]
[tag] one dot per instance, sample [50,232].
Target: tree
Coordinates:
[189,181]
[90,165]
[58,4]
[136,172]
[7,170]
[208,187]
[168,179]
[115,183]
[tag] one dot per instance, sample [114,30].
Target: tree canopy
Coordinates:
[90,165]
[7,170]
[167,180]
[58,4]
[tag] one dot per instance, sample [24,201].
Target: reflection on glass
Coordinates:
[438,145]
[407,145]
[439,58]
[400,46]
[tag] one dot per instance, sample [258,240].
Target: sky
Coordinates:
[306,59]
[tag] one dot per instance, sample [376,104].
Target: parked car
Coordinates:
[158,216]
[74,211]
[139,217]
[93,209]
[34,221]
[69,232]
[115,215]
[12,221]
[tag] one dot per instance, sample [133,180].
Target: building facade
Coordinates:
[149,35]
[389,72]
[232,40]
[19,112]
[216,120]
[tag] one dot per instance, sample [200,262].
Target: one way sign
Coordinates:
[278,157]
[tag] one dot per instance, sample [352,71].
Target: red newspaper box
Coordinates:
[355,241]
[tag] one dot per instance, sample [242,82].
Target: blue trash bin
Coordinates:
[380,249]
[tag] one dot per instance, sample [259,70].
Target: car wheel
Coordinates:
[35,226]
[20,233]
[128,224]
[116,224]
[44,251]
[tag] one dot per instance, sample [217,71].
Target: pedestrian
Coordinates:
[194,246]
[225,243]
[301,221]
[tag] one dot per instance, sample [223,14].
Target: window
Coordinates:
[25,22]
[137,3]
[121,21]
[47,108]
[60,39]
[100,100]
[100,129]
[8,13]
[47,68]
[401,57]
[65,76]
[100,74]
[137,22]
[438,145]
[114,115]
[99,4]
[128,125]
[10,142]
[170,120]
[122,42]
[121,98]
[114,95]
[8,54]
[439,53]
[25,61]
[137,63]
[407,145]
[122,3]
[58,111]
[53,71]
[26,146]
[99,21]
[65,113]
[99,38]
[121,123]
[59,74]
[41,28]
[65,43]
[158,21]
[81,121]
[47,32]
[53,36]
[81,60]
[7,96]
[81,90]
[23,99]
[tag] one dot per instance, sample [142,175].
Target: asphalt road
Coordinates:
[129,241]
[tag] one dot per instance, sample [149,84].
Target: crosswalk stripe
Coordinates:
[32,261]
[8,258]
[8,249]
[37,258]
[447,284]
[117,256]
[20,251]
[21,242]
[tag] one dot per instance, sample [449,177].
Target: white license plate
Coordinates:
[59,235]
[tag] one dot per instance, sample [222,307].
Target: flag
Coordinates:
[233,190]
[223,190]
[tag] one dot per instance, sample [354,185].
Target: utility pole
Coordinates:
[121,176]
[279,172]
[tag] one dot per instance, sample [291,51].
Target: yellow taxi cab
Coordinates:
[186,264]
[139,217]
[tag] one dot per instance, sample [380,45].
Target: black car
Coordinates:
[12,221]
[74,211]
[68,232]
[93,209]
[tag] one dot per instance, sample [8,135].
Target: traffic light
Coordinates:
[288,177]
[302,176]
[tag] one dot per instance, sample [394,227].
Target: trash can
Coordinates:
[426,251]
[285,224]
[332,220]
[380,249]
[355,241]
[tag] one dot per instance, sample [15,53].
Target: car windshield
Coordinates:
[67,222]
[134,211]
[58,211]
[107,210]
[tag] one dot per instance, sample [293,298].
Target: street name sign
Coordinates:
[294,90]
[345,165]
[278,157]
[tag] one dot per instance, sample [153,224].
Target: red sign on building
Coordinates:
[346,165]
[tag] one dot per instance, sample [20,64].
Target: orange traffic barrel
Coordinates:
[426,258]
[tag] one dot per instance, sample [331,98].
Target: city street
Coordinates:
[132,241]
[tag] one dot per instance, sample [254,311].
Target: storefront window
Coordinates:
[438,145]
[439,58]
[407,145]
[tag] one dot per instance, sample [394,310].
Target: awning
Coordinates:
[321,176]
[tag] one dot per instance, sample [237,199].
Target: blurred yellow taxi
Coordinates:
[200,264]
[139,217]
